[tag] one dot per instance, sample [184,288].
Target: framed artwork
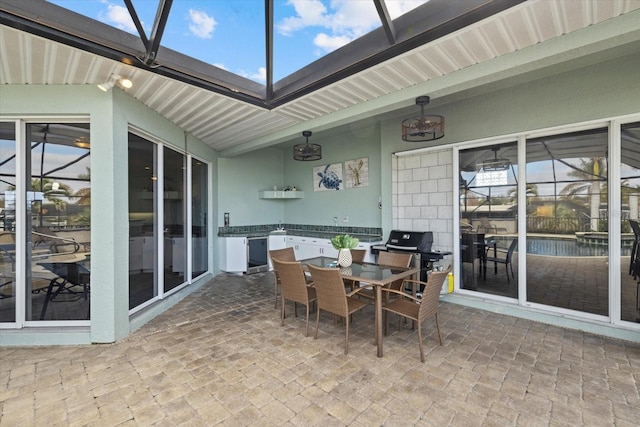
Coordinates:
[357,173]
[327,177]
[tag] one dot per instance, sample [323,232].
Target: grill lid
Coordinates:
[414,241]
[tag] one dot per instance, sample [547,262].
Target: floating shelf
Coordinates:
[281,194]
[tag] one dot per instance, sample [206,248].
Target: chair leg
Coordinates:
[282,313]
[511,266]
[438,328]
[306,333]
[506,270]
[317,322]
[275,293]
[346,335]
[420,342]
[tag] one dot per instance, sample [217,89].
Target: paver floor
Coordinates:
[220,357]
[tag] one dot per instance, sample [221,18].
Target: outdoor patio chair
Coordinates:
[392,259]
[294,287]
[506,260]
[286,255]
[333,298]
[415,308]
[487,227]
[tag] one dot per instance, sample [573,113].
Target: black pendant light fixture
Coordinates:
[306,151]
[423,128]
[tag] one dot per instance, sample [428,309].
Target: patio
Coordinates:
[221,357]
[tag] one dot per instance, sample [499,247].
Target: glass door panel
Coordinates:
[7,222]
[199,201]
[175,241]
[143,226]
[567,229]
[630,241]
[488,219]
[58,221]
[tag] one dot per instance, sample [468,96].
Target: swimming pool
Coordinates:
[566,247]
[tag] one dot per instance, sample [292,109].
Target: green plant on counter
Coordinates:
[344,241]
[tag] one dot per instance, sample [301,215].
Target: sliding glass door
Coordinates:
[45,247]
[488,219]
[160,215]
[567,221]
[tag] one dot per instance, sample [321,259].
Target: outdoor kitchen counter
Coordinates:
[365,238]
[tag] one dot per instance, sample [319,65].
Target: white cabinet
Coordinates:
[148,254]
[310,247]
[233,254]
[141,254]
[135,254]
[276,241]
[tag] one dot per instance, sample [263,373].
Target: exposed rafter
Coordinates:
[387,23]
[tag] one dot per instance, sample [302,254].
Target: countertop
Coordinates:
[368,238]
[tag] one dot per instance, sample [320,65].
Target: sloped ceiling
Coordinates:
[438,68]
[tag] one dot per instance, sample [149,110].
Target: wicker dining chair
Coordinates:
[391,259]
[333,298]
[414,308]
[357,255]
[285,254]
[294,287]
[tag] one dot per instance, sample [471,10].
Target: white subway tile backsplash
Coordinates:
[405,175]
[428,160]
[412,212]
[437,172]
[420,174]
[412,187]
[438,199]
[411,162]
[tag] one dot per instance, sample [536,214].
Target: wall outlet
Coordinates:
[345,219]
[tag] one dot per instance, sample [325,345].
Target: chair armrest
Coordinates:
[404,294]
[360,288]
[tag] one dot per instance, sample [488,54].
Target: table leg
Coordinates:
[378,318]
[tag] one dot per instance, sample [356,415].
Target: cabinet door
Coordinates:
[135,254]
[148,254]
[236,254]
[327,249]
[276,242]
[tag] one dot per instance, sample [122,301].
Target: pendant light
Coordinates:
[306,151]
[423,128]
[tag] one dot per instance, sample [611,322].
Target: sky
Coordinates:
[230,34]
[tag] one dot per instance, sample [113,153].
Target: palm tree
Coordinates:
[592,173]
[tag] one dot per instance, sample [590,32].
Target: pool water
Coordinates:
[567,247]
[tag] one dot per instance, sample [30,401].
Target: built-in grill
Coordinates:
[418,243]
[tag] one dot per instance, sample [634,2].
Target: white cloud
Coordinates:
[400,7]
[200,24]
[347,20]
[261,75]
[119,17]
[308,13]
[330,43]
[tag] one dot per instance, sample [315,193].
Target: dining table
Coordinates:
[375,275]
[69,274]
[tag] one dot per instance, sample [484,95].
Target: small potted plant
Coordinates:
[344,243]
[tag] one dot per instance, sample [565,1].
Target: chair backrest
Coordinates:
[473,246]
[330,291]
[635,227]
[395,259]
[357,255]
[285,254]
[292,280]
[431,293]
[512,247]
